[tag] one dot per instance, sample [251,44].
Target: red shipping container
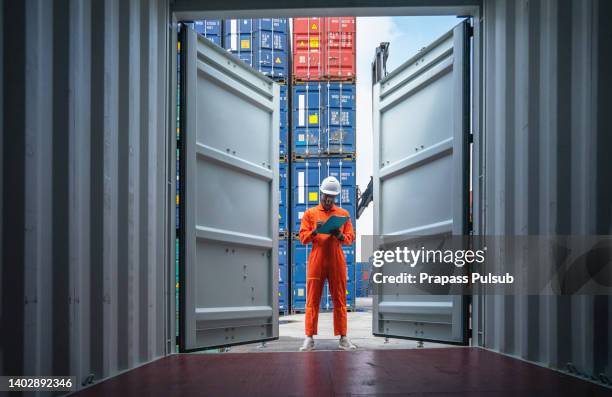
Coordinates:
[308,48]
[340,48]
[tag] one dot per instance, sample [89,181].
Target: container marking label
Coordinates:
[301,101]
[245,44]
[313,118]
[313,196]
[301,190]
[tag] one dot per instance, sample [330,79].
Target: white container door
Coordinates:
[421,188]
[231,200]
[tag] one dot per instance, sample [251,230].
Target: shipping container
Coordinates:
[307,175]
[282,200]
[261,43]
[283,149]
[209,28]
[340,109]
[324,48]
[362,279]
[308,49]
[340,43]
[307,127]
[283,274]
[324,117]
[298,302]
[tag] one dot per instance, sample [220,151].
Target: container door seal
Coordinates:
[421,114]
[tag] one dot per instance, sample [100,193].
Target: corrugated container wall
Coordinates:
[85,143]
[547,166]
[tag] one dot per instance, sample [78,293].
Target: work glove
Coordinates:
[337,234]
[315,232]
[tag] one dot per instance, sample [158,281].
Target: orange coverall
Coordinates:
[326,261]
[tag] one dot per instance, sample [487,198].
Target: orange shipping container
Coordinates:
[308,42]
[324,48]
[340,48]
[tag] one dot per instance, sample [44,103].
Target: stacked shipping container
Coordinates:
[262,43]
[322,134]
[324,49]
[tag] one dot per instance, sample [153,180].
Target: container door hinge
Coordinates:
[470,31]
[470,138]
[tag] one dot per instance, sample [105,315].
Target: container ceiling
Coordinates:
[194,9]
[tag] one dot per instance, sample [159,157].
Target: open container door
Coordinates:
[421,187]
[230,135]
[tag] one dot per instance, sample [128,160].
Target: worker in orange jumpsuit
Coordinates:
[326,261]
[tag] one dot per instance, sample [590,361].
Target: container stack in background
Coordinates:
[322,139]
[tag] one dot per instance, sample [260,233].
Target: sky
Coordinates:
[407,36]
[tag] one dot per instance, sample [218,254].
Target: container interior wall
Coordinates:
[547,140]
[84,186]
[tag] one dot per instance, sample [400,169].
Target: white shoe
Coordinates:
[308,344]
[345,344]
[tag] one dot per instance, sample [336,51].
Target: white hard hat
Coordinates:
[331,186]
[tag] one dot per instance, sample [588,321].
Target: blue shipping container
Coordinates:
[362,279]
[283,276]
[306,178]
[283,302]
[282,201]
[323,118]
[307,113]
[283,149]
[282,259]
[340,118]
[209,28]
[261,43]
[299,296]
